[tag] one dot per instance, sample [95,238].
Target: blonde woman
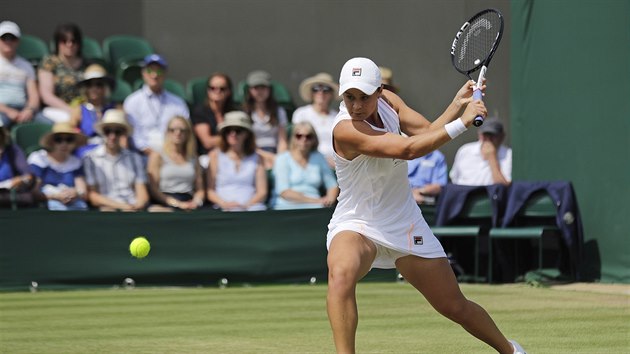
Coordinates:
[175,180]
[302,172]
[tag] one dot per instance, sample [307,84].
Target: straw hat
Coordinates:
[236,119]
[320,79]
[96,72]
[115,117]
[46,140]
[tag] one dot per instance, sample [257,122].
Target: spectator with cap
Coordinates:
[19,98]
[58,74]
[151,107]
[95,88]
[319,91]
[269,119]
[59,173]
[115,176]
[237,180]
[486,161]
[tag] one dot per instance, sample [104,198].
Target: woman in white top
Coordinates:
[269,120]
[319,90]
[377,222]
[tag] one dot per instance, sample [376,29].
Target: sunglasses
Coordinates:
[236,130]
[68,41]
[115,131]
[260,87]
[8,37]
[92,83]
[158,72]
[69,139]
[181,130]
[218,88]
[303,136]
[321,88]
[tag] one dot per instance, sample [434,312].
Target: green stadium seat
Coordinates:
[120,48]
[93,52]
[536,222]
[197,90]
[32,48]
[121,91]
[473,222]
[129,71]
[27,135]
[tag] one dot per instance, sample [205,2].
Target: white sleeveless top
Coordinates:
[376,200]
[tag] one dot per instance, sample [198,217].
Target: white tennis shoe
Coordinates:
[517,348]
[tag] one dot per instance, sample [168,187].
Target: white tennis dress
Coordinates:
[376,201]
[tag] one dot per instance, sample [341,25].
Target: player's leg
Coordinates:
[434,278]
[350,258]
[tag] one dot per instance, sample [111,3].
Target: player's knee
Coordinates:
[341,279]
[453,310]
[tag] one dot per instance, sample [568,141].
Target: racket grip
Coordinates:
[478,96]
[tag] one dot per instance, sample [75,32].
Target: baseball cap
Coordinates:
[10,28]
[359,73]
[492,126]
[258,78]
[155,58]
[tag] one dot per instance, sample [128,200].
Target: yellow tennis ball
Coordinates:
[139,247]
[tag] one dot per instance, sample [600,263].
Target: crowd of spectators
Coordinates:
[149,152]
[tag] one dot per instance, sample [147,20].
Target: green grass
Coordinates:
[394,318]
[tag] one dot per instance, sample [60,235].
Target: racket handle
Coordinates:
[478,96]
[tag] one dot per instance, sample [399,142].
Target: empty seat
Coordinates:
[32,48]
[27,135]
[121,48]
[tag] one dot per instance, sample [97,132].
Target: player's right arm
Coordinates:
[356,137]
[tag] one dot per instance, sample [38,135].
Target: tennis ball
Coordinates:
[139,247]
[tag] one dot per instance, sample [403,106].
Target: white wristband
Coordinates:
[455,128]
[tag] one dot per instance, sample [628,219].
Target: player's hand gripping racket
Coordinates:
[474,45]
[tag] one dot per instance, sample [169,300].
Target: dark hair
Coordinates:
[63,30]
[249,145]
[229,101]
[271,104]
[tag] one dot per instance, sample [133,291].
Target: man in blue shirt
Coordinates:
[427,175]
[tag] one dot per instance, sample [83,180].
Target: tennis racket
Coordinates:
[474,45]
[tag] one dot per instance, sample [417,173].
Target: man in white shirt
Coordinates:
[151,107]
[486,161]
[19,99]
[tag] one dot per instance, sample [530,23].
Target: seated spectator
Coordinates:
[15,175]
[319,91]
[486,161]
[208,115]
[151,107]
[174,173]
[19,99]
[95,89]
[58,74]
[59,173]
[237,179]
[115,176]
[302,172]
[387,79]
[427,175]
[270,120]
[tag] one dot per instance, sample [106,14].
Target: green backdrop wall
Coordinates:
[570,111]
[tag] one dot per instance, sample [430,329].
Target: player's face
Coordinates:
[359,104]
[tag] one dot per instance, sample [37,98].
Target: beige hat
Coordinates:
[113,117]
[258,78]
[320,79]
[236,119]
[96,72]
[46,140]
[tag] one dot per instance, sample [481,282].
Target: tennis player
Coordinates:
[376,222]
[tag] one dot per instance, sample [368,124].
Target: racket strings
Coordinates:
[476,42]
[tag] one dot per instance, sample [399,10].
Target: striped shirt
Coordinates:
[114,176]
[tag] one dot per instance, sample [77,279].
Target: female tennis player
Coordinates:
[376,222]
